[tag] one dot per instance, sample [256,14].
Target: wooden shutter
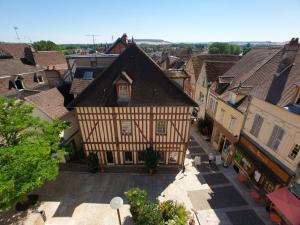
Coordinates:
[257,123]
[276,137]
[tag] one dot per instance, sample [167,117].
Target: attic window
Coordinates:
[88,75]
[19,84]
[123,91]
[38,78]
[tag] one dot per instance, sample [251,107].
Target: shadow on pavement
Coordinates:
[73,189]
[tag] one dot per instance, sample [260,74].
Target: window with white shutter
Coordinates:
[276,137]
[257,123]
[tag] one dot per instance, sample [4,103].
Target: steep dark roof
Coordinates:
[277,80]
[248,65]
[50,58]
[150,86]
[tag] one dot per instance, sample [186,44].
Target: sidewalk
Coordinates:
[222,181]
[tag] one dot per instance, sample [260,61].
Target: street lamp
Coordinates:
[117,203]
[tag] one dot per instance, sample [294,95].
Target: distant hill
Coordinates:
[151,41]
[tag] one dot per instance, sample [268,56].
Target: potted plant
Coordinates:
[93,162]
[151,158]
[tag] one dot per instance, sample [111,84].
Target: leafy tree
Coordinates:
[45,46]
[224,48]
[246,48]
[28,150]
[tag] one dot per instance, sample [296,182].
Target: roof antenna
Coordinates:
[93,35]
[18,37]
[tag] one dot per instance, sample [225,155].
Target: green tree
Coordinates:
[28,151]
[45,46]
[224,48]
[246,48]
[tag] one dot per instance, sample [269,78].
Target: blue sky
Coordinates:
[68,21]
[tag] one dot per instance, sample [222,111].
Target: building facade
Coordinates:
[132,106]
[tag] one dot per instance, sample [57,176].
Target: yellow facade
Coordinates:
[273,115]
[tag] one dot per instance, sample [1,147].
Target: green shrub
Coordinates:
[151,158]
[145,212]
[174,213]
[149,214]
[136,199]
[93,162]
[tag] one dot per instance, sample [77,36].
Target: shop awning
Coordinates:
[287,203]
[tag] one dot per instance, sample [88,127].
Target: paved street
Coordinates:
[213,192]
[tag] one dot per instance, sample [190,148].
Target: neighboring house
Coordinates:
[227,101]
[19,80]
[87,61]
[49,105]
[83,77]
[55,65]
[119,45]
[22,52]
[268,150]
[171,62]
[131,106]
[204,69]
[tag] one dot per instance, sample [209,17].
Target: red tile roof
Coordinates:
[50,102]
[50,59]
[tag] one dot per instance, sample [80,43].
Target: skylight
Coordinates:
[88,75]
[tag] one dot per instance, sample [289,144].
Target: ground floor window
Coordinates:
[128,157]
[173,157]
[109,157]
[140,157]
[161,157]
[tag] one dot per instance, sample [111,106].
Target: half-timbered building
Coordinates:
[133,105]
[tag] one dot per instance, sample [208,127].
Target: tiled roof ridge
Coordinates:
[279,52]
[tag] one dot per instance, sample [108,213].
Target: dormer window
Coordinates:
[19,84]
[123,91]
[88,75]
[38,78]
[232,98]
[123,87]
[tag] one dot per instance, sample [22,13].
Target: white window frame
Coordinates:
[293,155]
[161,127]
[174,156]
[131,157]
[123,91]
[126,127]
